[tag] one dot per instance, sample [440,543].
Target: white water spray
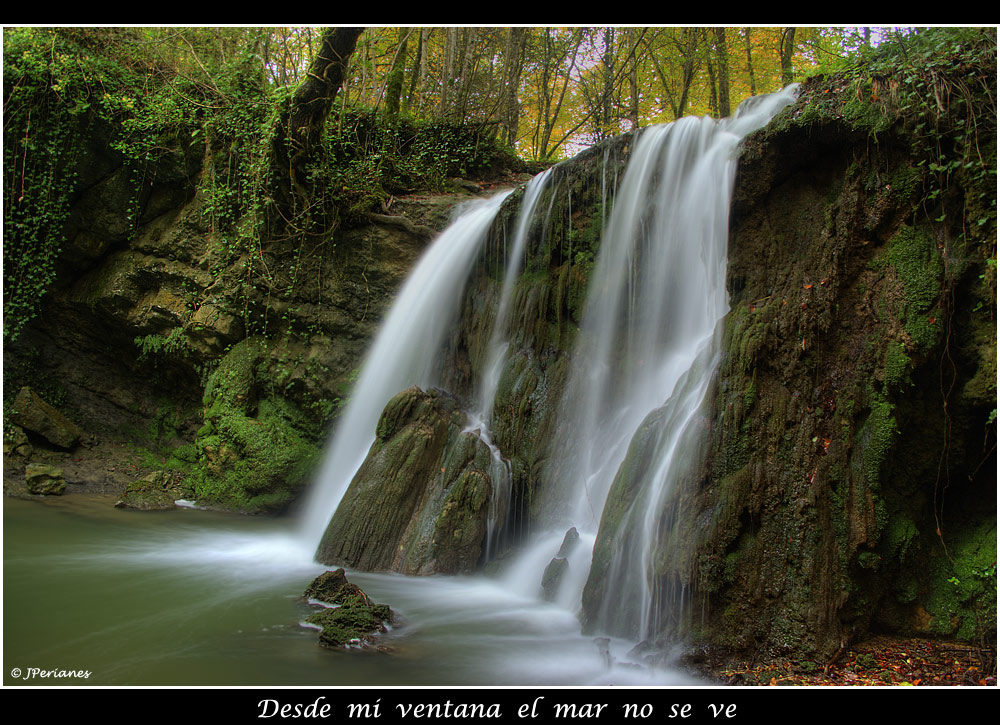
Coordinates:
[649,340]
[405,353]
[479,419]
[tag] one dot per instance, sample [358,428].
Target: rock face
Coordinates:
[420,501]
[45,480]
[154,316]
[156,491]
[431,520]
[253,448]
[827,454]
[33,414]
[545,315]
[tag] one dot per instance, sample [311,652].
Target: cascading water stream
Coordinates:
[703,232]
[405,353]
[649,340]
[496,351]
[498,337]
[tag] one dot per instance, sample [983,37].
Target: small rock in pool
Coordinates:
[355,621]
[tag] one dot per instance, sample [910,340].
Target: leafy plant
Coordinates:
[155,346]
[51,93]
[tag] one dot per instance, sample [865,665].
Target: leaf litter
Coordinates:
[878,661]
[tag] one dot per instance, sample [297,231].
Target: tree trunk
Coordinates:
[467,64]
[690,37]
[550,116]
[311,103]
[633,81]
[753,82]
[394,86]
[448,71]
[787,46]
[419,68]
[722,53]
[510,106]
[607,92]
[713,95]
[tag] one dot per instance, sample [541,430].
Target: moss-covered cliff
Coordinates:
[850,483]
[162,343]
[164,301]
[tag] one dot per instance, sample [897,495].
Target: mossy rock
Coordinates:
[343,626]
[156,491]
[419,502]
[232,387]
[44,480]
[33,414]
[352,619]
[332,587]
[961,600]
[253,453]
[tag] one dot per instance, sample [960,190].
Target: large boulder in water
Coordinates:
[419,504]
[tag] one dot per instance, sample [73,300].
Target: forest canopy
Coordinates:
[407,108]
[545,91]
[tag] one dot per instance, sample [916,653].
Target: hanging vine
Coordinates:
[50,95]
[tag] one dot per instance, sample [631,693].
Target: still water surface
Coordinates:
[189,597]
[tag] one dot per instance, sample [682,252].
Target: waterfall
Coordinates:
[650,342]
[496,351]
[498,340]
[405,353]
[643,364]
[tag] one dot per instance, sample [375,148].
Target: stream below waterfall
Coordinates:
[191,597]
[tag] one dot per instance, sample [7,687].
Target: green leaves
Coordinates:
[154,346]
[55,86]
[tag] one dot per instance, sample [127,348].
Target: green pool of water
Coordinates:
[190,597]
